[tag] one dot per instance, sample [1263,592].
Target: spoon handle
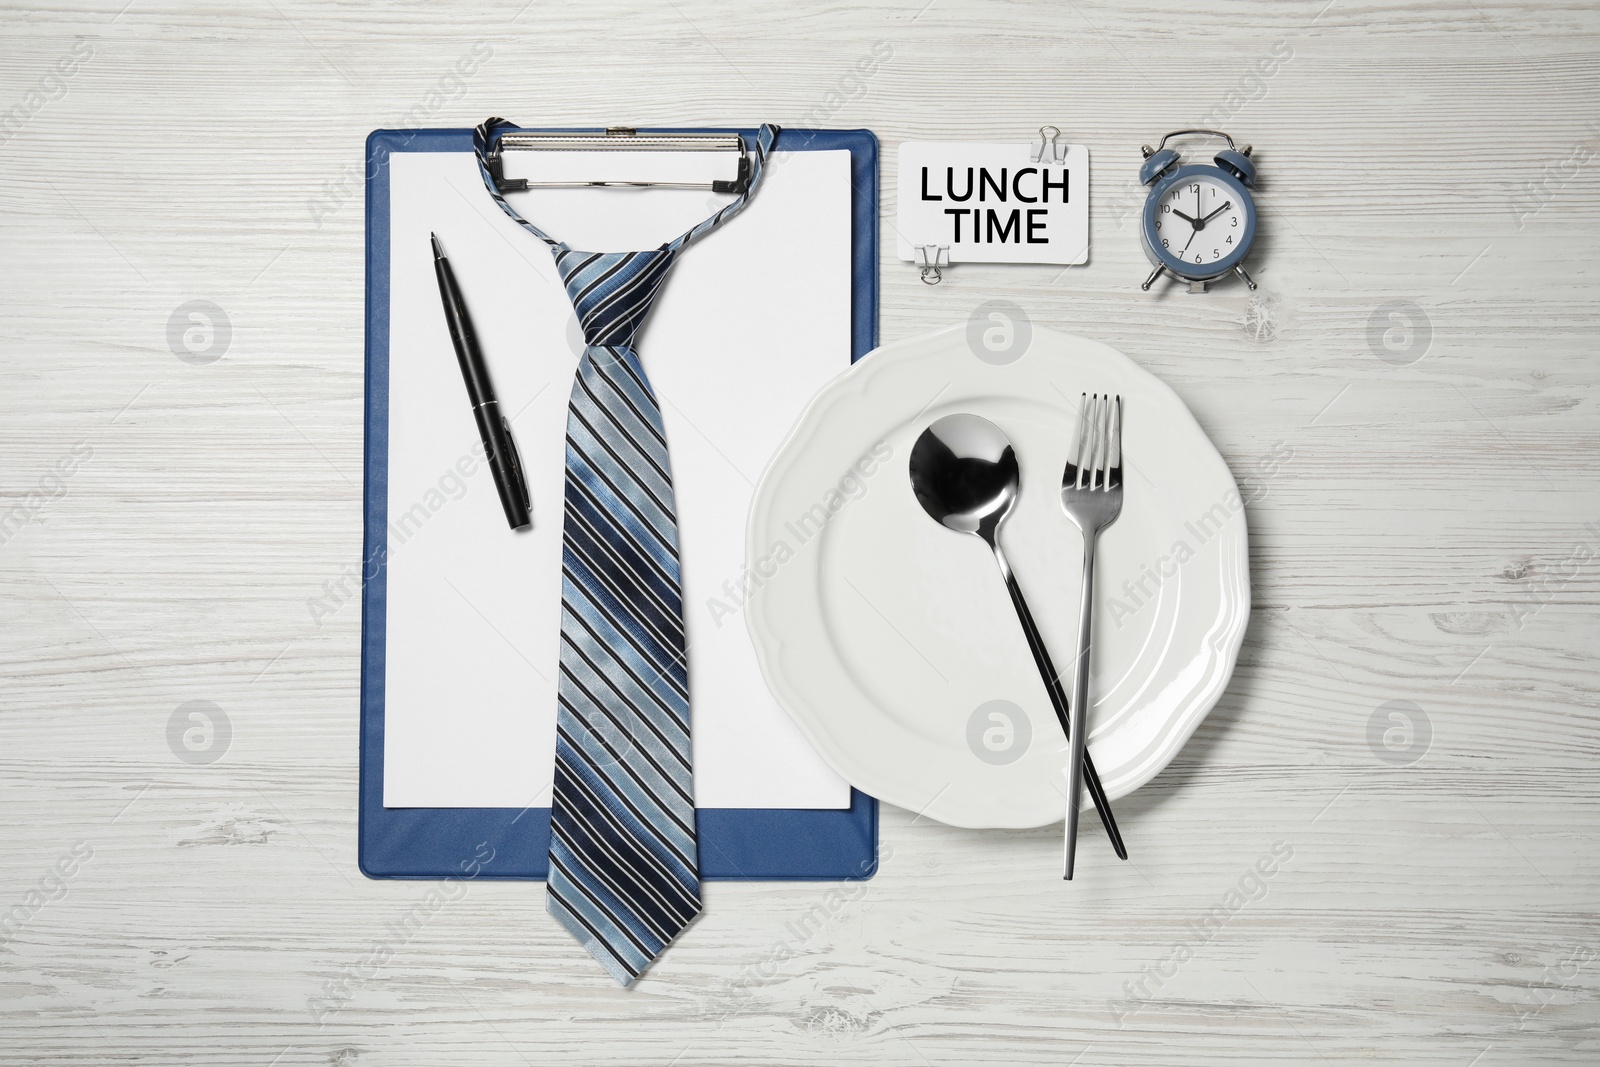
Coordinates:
[1058,701]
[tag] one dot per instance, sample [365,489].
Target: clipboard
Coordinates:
[759,844]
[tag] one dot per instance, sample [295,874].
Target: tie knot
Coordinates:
[612,291]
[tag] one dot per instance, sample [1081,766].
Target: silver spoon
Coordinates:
[965,475]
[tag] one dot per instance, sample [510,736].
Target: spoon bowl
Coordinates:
[964,474]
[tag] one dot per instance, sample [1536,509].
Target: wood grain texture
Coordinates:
[1428,541]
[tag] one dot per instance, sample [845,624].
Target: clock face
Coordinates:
[1200,222]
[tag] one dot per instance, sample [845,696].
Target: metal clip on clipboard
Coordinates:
[618,138]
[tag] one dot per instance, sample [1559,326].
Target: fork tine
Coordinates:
[1102,428]
[1100,444]
[1114,467]
[1112,431]
[1091,405]
[1080,458]
[1094,443]
[1075,457]
[1103,460]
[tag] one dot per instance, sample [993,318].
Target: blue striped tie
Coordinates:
[624,872]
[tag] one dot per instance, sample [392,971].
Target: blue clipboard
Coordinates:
[762,844]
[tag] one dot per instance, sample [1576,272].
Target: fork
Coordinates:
[1091,495]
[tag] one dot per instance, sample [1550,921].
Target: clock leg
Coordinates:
[1148,282]
[1239,270]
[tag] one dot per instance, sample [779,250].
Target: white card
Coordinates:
[991,203]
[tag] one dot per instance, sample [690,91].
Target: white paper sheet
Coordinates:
[753,320]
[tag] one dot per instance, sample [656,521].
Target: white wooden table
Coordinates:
[1422,345]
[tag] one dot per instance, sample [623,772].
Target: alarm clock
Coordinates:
[1199,218]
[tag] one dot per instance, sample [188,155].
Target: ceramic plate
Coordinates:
[891,641]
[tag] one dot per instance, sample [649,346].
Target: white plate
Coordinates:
[888,637]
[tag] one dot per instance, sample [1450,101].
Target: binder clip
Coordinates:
[623,138]
[1049,150]
[932,259]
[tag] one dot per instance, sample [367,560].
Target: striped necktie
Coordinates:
[624,863]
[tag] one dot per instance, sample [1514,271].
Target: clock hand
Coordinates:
[1226,204]
[1189,242]
[1185,218]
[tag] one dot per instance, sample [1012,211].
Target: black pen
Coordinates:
[504,463]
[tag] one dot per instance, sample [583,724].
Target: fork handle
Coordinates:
[1058,701]
[1080,699]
